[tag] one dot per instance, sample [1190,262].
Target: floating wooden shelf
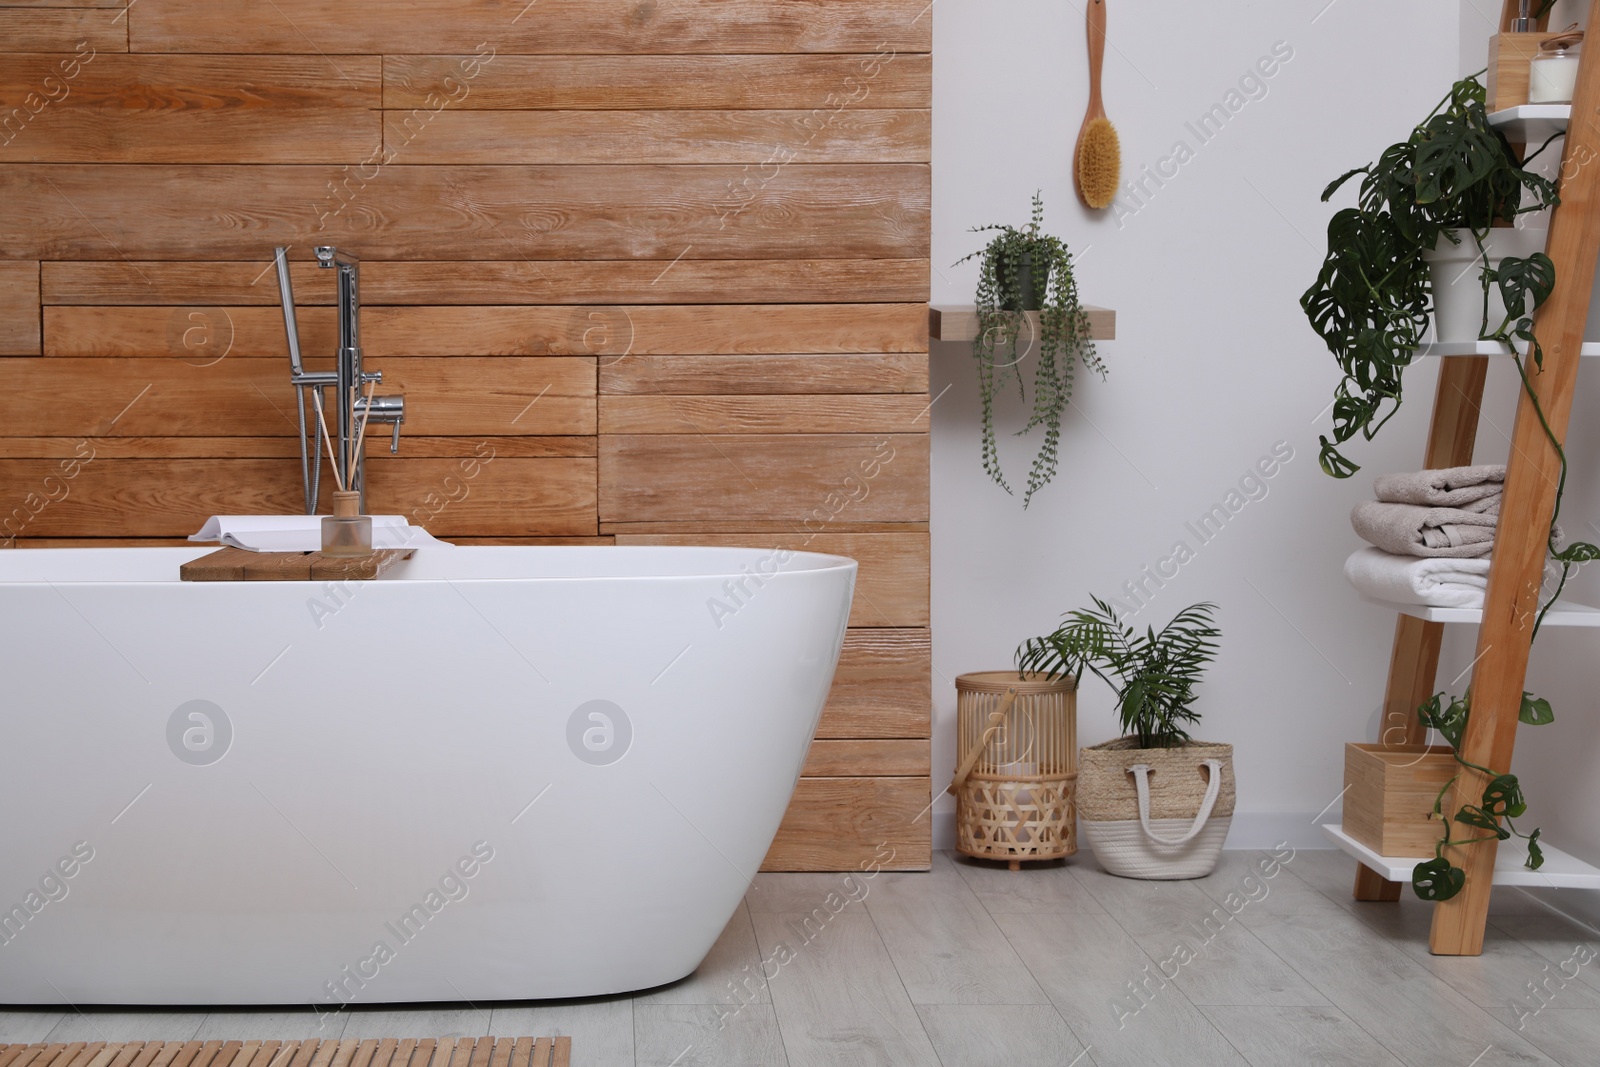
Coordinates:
[1532,124]
[1488,348]
[1564,613]
[1561,870]
[959,322]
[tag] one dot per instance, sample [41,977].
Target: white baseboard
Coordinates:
[1251,830]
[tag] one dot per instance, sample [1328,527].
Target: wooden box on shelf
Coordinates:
[1509,56]
[1389,795]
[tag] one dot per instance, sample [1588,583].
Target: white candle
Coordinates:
[1552,79]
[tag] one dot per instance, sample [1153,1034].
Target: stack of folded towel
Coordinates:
[1432,533]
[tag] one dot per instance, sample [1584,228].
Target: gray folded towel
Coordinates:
[1413,530]
[1450,487]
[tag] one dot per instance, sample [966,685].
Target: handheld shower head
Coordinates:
[286,295]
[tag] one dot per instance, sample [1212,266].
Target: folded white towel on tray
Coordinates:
[1435,581]
[303,533]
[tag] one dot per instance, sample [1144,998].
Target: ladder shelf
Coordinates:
[1512,600]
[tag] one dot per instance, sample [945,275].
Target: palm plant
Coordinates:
[1154,674]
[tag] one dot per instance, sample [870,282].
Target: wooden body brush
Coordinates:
[1097,159]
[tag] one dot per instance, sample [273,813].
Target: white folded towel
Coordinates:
[1435,581]
[303,533]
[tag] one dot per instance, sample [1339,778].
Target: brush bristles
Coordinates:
[1099,164]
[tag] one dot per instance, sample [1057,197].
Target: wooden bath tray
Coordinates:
[238,565]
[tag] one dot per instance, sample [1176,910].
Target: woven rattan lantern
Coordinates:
[1017,754]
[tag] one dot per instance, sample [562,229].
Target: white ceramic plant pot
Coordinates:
[1458,307]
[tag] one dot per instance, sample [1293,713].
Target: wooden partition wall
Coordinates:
[665,261]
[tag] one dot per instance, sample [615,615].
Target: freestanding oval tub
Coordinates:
[494,773]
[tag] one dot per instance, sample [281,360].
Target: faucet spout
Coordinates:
[348,265]
[348,369]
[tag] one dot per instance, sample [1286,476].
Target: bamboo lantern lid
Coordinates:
[1000,681]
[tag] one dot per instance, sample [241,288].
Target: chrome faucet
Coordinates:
[352,409]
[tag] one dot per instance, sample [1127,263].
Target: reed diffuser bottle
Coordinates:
[346,532]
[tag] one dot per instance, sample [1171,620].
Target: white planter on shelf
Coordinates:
[1458,307]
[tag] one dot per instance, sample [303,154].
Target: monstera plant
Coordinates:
[1371,302]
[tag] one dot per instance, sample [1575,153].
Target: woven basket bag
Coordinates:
[1156,812]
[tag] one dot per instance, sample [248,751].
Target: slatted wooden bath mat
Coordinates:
[385,1052]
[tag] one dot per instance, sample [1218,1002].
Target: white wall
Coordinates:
[1214,362]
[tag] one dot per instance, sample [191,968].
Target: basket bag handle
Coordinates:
[996,719]
[1141,782]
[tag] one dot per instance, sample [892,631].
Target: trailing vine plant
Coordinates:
[1502,800]
[1020,271]
[1371,304]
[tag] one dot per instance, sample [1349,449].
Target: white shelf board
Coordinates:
[1532,124]
[1561,870]
[1565,613]
[1488,348]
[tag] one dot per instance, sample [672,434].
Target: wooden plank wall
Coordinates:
[667,259]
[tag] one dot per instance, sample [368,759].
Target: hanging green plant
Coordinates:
[1372,301]
[1021,271]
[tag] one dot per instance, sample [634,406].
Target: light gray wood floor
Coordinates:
[972,965]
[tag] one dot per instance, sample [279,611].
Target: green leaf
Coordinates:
[1535,853]
[1478,817]
[1578,552]
[1334,185]
[1503,796]
[1334,464]
[1520,278]
[1535,711]
[1451,722]
[1437,879]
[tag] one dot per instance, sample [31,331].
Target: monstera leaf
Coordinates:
[1535,710]
[1453,156]
[1503,796]
[1451,722]
[1437,879]
[1520,278]
[1482,820]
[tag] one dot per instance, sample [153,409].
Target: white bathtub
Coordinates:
[415,802]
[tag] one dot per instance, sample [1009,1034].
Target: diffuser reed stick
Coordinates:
[322,421]
[361,433]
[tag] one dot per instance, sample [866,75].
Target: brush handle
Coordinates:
[1096,10]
